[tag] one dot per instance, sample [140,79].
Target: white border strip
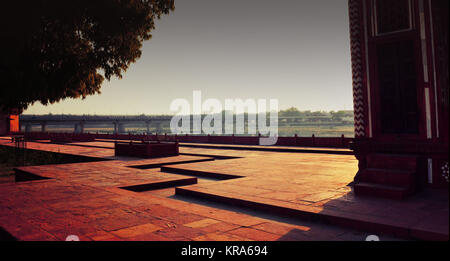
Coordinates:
[423,41]
[366,47]
[428,113]
[434,68]
[430,171]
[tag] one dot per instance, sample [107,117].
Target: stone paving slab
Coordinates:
[289,149]
[64,149]
[115,214]
[106,143]
[344,151]
[316,187]
[88,199]
[109,173]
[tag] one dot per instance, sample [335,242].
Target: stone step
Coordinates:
[198,173]
[379,190]
[392,161]
[403,178]
[161,184]
[352,220]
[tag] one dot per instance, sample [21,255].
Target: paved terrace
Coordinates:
[212,193]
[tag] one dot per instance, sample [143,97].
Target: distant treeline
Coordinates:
[342,115]
[291,122]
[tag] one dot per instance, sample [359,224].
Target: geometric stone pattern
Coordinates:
[87,199]
[356,46]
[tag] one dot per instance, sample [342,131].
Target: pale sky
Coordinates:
[296,51]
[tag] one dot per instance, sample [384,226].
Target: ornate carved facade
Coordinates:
[400,89]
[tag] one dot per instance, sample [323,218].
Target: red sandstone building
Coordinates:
[9,122]
[400,87]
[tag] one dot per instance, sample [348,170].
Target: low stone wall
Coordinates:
[146,149]
[325,142]
[59,137]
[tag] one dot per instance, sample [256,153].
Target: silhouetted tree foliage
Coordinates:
[53,49]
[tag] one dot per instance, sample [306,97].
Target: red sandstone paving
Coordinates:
[66,149]
[85,198]
[254,234]
[290,148]
[103,236]
[219,237]
[316,181]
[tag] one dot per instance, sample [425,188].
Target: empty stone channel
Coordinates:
[167,188]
